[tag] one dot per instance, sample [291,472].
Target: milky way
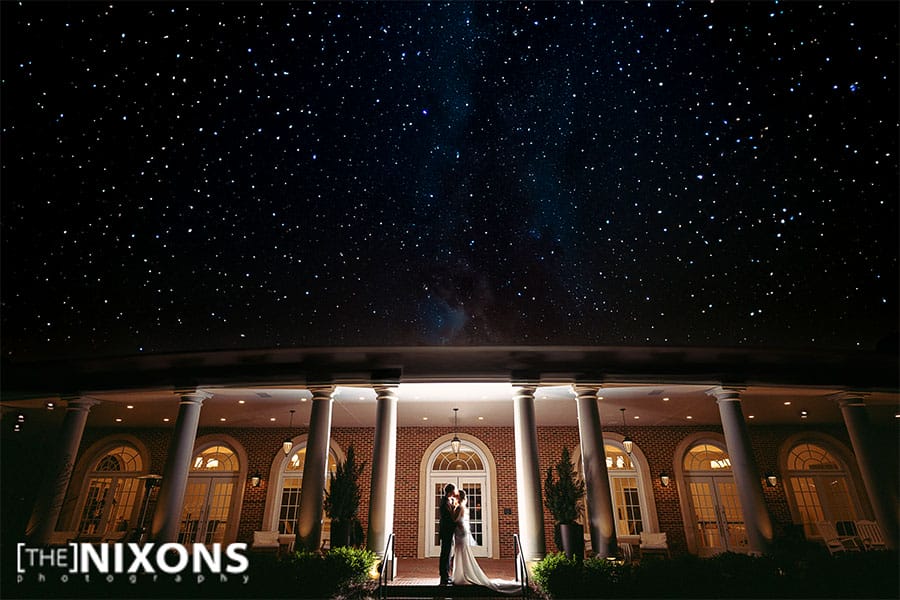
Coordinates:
[213,176]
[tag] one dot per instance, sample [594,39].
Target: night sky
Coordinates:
[218,176]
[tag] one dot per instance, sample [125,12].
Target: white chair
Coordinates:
[265,541]
[654,543]
[870,534]
[286,541]
[837,543]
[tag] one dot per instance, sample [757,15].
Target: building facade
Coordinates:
[715,467]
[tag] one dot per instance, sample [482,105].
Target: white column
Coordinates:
[315,470]
[167,515]
[744,469]
[56,480]
[596,475]
[882,497]
[528,476]
[384,470]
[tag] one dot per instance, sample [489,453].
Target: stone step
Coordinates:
[438,591]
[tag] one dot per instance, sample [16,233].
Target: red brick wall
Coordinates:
[657,443]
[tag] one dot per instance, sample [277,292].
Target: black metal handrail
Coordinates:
[386,574]
[521,565]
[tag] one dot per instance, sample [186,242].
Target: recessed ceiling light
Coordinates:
[362,397]
[424,418]
[242,401]
[481,418]
[637,416]
[897,416]
[302,399]
[689,417]
[51,406]
[666,399]
[221,418]
[130,406]
[787,403]
[271,418]
[118,419]
[599,397]
[751,416]
[165,419]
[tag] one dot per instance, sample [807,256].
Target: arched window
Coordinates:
[819,487]
[111,494]
[209,496]
[290,487]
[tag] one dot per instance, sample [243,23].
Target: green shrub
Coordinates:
[727,575]
[340,572]
[558,576]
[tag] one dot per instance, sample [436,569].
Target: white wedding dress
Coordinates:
[465,568]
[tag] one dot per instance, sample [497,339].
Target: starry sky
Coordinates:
[219,176]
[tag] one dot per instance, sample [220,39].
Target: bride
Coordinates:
[465,568]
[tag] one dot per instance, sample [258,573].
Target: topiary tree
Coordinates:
[342,499]
[563,495]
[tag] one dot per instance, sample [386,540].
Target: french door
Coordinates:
[207,505]
[718,519]
[479,517]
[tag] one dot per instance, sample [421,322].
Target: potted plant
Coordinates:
[342,501]
[563,496]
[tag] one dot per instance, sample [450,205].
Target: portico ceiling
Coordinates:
[657,387]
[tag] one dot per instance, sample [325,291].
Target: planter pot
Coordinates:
[572,540]
[340,533]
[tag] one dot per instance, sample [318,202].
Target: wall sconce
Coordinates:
[771,479]
[664,479]
[255,479]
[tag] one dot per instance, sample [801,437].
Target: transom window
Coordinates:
[215,458]
[810,457]
[706,457]
[466,460]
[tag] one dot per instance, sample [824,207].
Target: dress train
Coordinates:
[466,570]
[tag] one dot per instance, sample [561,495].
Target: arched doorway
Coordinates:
[209,496]
[716,516]
[468,471]
[108,507]
[286,475]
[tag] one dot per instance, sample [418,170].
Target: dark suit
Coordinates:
[445,532]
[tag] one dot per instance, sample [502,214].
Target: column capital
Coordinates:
[525,390]
[585,389]
[728,393]
[385,389]
[80,402]
[193,396]
[849,398]
[321,392]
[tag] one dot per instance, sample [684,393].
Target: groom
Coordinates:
[445,531]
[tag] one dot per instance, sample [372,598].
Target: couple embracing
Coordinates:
[455,536]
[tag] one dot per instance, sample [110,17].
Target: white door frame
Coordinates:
[490,510]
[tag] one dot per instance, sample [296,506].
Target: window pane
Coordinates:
[627,505]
